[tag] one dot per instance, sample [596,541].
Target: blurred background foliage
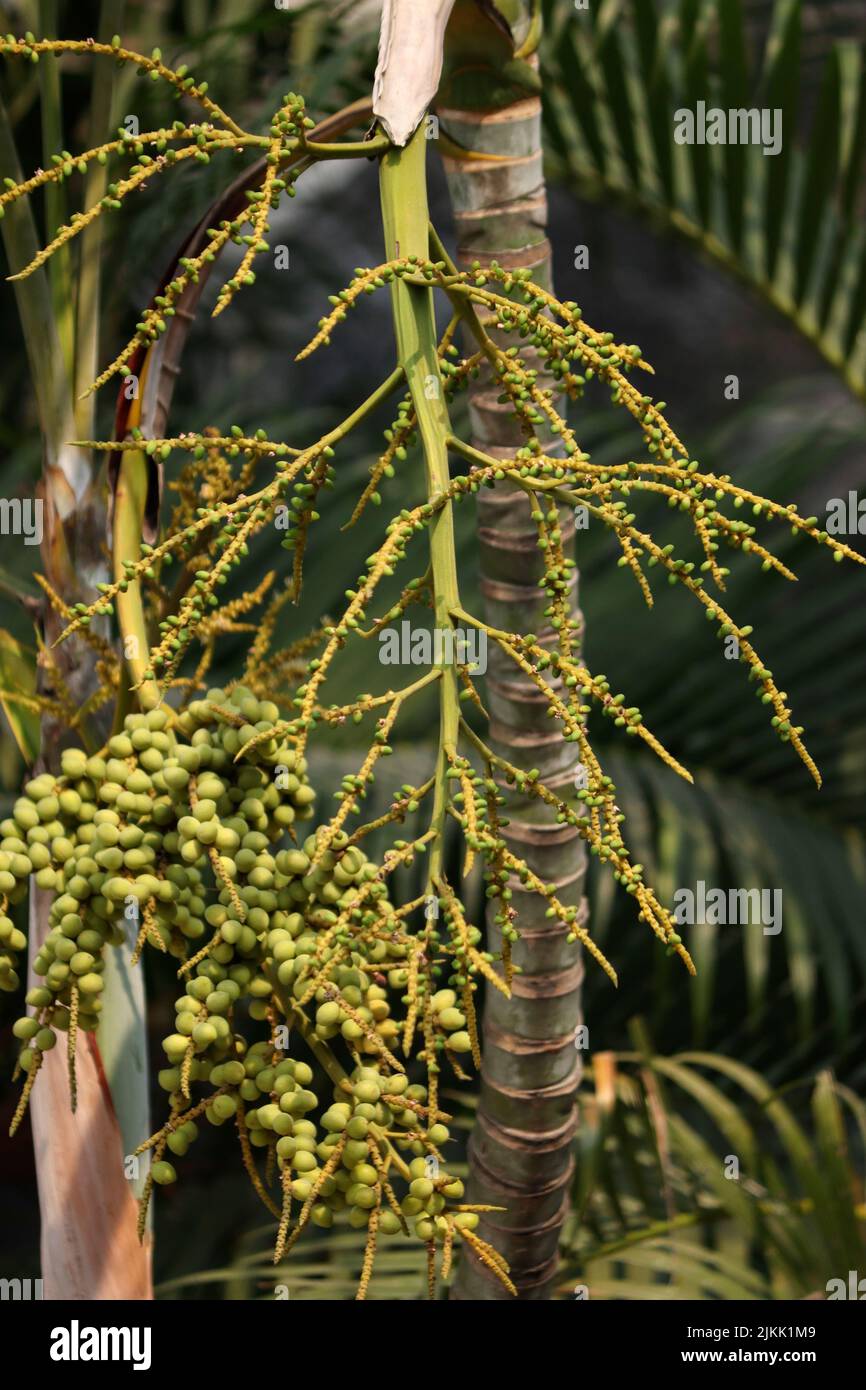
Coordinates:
[718,261]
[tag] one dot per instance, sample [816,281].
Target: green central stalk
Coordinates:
[406,225]
[130,497]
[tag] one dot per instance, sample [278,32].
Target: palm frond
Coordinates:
[708,1184]
[810,977]
[790,223]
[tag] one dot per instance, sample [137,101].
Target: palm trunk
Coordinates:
[521,1148]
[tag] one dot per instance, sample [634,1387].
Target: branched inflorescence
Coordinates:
[181,831]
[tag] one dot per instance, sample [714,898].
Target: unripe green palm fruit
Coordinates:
[467,1220]
[353,1153]
[135,828]
[224,1106]
[175,1046]
[452,1019]
[365,1173]
[362,1196]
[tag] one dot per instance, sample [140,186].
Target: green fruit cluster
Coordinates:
[12,943]
[166,830]
[450,1022]
[354,1121]
[286,905]
[177,836]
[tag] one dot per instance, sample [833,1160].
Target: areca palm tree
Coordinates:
[623,71]
[489,131]
[489,108]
